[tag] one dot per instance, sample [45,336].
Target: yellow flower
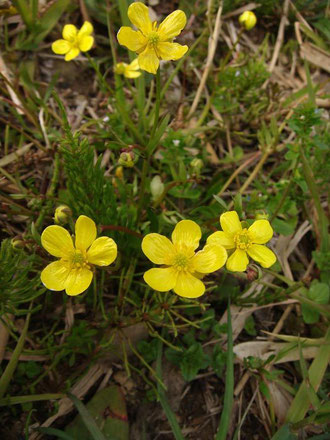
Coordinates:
[248,20]
[182,266]
[152,43]
[128,70]
[73,272]
[74,41]
[244,241]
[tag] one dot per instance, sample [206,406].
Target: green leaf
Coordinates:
[319,292]
[310,316]
[284,433]
[193,360]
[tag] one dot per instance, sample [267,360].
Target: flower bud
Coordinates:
[62,214]
[17,243]
[196,165]
[248,20]
[126,159]
[119,172]
[120,68]
[262,216]
[156,187]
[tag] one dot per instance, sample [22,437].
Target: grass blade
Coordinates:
[87,418]
[162,397]
[229,389]
[56,432]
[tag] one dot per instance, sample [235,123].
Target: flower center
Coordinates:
[180,262]
[153,38]
[79,260]
[243,240]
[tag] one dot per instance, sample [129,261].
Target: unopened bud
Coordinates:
[17,243]
[62,214]
[262,216]
[120,68]
[119,173]
[156,187]
[197,164]
[248,20]
[126,159]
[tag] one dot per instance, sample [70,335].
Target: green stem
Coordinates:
[157,105]
[229,388]
[12,364]
[309,177]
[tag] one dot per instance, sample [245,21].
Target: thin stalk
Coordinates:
[309,177]
[157,105]
[162,397]
[229,387]
[12,364]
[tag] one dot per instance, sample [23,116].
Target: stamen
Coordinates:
[181,262]
[153,38]
[243,240]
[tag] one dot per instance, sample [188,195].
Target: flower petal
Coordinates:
[222,239]
[134,65]
[210,259]
[172,25]
[132,73]
[86,42]
[69,32]
[158,248]
[54,275]
[161,279]
[78,281]
[57,241]
[73,53]
[187,234]
[102,252]
[238,261]
[230,223]
[261,231]
[86,29]
[61,47]
[148,60]
[85,232]
[138,13]
[171,51]
[188,286]
[262,255]
[133,40]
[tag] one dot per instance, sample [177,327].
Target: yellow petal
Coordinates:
[131,73]
[134,65]
[148,60]
[157,248]
[230,223]
[69,32]
[161,279]
[221,238]
[133,40]
[171,51]
[78,281]
[57,241]
[261,231]
[262,255]
[188,286]
[238,261]
[172,25]
[138,14]
[73,53]
[211,258]
[86,29]
[61,47]
[55,275]
[85,230]
[86,42]
[102,252]
[187,234]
